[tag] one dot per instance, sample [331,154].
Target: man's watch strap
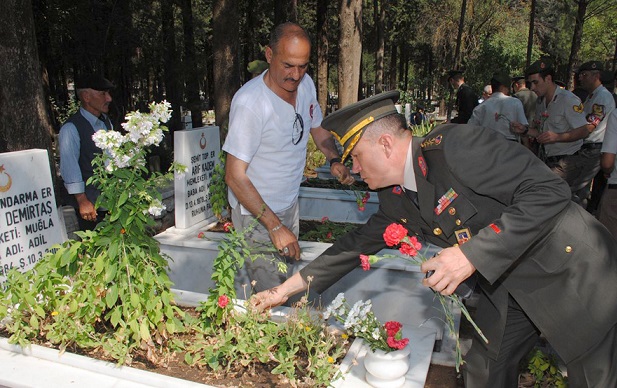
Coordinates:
[335,160]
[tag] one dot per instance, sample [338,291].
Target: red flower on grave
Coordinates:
[392,327]
[227,226]
[397,344]
[223,301]
[366,265]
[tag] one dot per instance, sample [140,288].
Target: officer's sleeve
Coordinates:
[533,195]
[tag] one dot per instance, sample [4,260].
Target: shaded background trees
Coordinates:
[194,53]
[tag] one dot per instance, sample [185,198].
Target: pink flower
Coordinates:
[394,234]
[392,327]
[407,249]
[227,226]
[201,235]
[397,344]
[324,220]
[366,264]
[329,235]
[361,208]
[223,301]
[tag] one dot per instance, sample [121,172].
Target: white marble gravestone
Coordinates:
[198,149]
[29,221]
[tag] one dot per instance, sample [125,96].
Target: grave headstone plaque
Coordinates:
[29,221]
[198,149]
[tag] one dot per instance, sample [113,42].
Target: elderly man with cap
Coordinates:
[598,104]
[543,264]
[500,110]
[466,99]
[559,125]
[77,149]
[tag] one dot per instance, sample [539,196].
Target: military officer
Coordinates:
[544,265]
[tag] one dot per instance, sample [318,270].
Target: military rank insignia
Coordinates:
[445,200]
[397,190]
[422,164]
[462,235]
[433,141]
[578,108]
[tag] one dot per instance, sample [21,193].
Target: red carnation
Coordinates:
[397,344]
[223,301]
[366,265]
[394,234]
[201,235]
[227,226]
[392,327]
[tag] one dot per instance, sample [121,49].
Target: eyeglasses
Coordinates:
[298,130]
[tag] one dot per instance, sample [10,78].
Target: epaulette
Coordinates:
[431,142]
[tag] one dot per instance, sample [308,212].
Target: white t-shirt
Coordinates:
[609,145]
[597,107]
[261,126]
[498,112]
[564,113]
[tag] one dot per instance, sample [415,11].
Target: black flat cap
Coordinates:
[538,66]
[348,124]
[502,78]
[591,65]
[93,81]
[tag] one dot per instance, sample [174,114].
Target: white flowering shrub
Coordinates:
[109,290]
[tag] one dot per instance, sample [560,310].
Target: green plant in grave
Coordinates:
[218,189]
[110,289]
[544,370]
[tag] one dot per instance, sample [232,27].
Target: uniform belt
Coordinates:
[591,146]
[612,186]
[552,159]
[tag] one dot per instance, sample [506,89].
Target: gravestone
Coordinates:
[29,221]
[198,149]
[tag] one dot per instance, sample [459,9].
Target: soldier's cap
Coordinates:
[349,123]
[538,66]
[591,65]
[93,81]
[454,72]
[257,66]
[502,78]
[518,78]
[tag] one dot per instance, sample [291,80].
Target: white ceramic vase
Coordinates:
[387,369]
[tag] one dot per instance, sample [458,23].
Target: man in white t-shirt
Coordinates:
[269,124]
[500,110]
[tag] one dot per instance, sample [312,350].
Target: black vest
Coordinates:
[88,150]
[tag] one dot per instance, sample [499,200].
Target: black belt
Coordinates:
[552,159]
[591,146]
[612,186]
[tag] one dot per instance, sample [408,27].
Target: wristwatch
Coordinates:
[335,160]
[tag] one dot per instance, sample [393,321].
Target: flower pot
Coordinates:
[387,369]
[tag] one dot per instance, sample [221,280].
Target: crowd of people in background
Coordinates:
[573,132]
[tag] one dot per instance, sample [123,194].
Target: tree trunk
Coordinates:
[322,54]
[225,65]
[170,65]
[24,120]
[380,17]
[392,70]
[190,65]
[350,50]
[576,41]
[532,21]
[459,36]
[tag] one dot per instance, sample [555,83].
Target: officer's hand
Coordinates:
[547,137]
[451,269]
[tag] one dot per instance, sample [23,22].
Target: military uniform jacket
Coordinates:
[527,238]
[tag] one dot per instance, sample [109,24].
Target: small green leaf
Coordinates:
[111,296]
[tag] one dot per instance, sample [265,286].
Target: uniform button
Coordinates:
[452,211]
[437,231]
[568,249]
[458,222]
